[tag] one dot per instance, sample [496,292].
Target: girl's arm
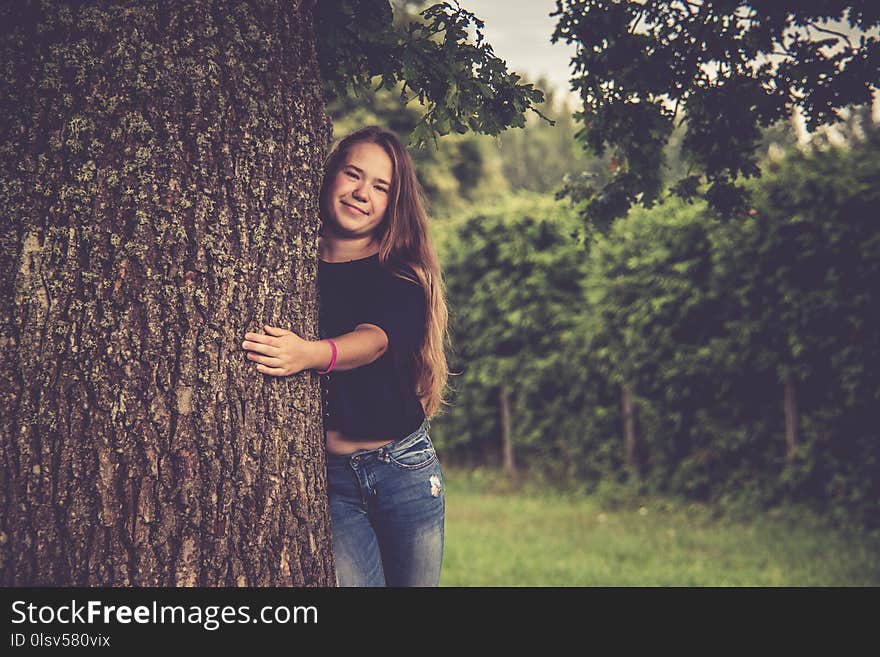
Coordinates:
[282,352]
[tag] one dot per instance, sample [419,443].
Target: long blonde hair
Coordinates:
[404,245]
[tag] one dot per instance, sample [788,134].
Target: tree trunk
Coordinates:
[161,165]
[630,431]
[506,437]
[792,439]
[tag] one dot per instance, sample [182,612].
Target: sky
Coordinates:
[519,32]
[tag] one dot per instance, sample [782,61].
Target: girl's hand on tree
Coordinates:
[280,353]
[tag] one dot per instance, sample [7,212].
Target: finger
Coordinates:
[261,339]
[271,371]
[257,337]
[261,348]
[265,360]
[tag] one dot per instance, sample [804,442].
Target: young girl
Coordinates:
[383,316]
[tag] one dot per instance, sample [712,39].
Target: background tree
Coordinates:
[711,327]
[160,166]
[515,280]
[452,72]
[805,315]
[725,69]
[539,156]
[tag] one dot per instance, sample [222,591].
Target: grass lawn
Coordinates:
[500,536]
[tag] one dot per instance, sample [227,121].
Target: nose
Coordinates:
[359,193]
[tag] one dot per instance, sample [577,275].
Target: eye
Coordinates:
[382,189]
[350,174]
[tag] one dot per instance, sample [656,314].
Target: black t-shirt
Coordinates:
[377,401]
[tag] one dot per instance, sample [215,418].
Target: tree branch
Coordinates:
[635,24]
[833,32]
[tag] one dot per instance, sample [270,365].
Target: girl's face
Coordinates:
[358,196]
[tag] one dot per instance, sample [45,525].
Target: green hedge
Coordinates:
[704,319]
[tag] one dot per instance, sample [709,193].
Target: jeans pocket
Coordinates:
[419,455]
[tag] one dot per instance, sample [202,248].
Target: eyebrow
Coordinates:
[362,172]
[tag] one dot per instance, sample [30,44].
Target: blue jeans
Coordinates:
[387,507]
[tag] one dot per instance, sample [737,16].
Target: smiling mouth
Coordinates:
[353,207]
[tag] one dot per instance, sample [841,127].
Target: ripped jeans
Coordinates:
[387,507]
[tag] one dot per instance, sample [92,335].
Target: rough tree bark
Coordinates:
[160,169]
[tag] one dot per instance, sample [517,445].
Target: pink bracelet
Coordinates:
[332,358]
